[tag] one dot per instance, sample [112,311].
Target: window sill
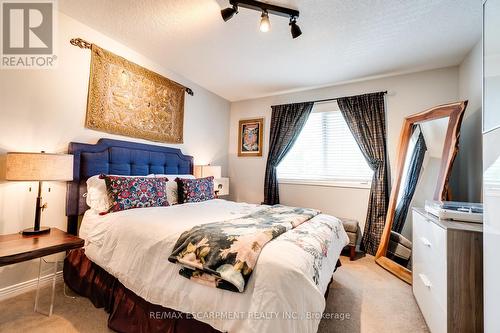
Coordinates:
[327,183]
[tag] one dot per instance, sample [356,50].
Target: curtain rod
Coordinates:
[83,44]
[335,98]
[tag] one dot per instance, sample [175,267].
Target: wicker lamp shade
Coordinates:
[38,167]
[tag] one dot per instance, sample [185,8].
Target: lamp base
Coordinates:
[32,231]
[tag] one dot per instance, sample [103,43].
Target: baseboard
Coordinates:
[23,287]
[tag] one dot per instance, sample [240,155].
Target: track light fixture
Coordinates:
[228,13]
[294,28]
[265,25]
[265,9]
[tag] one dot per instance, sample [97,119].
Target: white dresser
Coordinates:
[447,273]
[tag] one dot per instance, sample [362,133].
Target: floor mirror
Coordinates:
[427,148]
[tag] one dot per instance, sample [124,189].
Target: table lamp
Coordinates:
[38,167]
[202,171]
[221,185]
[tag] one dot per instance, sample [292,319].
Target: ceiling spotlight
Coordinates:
[228,13]
[266,9]
[265,25]
[294,28]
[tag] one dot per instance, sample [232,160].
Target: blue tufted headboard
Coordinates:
[116,157]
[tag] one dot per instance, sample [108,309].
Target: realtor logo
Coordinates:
[28,34]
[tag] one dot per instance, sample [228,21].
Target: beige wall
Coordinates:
[45,110]
[408,94]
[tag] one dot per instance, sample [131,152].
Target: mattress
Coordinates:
[284,293]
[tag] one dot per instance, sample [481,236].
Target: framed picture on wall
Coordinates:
[251,132]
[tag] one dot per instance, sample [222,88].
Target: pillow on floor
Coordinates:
[196,190]
[135,192]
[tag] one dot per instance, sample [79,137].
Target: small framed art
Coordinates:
[251,132]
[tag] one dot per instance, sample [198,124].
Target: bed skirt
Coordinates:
[128,313]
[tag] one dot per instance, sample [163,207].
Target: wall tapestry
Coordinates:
[127,99]
[250,137]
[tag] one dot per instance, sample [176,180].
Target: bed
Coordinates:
[124,265]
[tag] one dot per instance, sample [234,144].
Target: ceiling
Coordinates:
[341,40]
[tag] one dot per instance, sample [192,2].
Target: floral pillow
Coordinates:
[196,190]
[135,192]
[173,187]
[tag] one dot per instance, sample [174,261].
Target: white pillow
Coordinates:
[97,194]
[172,193]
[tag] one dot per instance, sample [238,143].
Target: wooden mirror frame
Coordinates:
[455,112]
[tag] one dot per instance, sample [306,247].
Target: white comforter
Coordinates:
[281,295]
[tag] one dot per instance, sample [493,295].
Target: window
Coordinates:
[325,151]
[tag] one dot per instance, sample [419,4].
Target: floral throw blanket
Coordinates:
[224,254]
[314,238]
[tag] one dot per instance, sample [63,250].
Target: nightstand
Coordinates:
[15,248]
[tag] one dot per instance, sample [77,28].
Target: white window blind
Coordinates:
[325,151]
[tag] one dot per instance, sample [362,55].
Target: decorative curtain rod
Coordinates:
[83,44]
[332,99]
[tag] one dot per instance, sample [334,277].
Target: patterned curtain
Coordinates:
[365,116]
[286,123]
[410,185]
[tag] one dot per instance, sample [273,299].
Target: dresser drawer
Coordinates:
[429,238]
[429,271]
[424,290]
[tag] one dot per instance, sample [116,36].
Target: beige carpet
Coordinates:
[376,300]
[363,298]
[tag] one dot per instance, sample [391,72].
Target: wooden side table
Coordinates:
[15,248]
